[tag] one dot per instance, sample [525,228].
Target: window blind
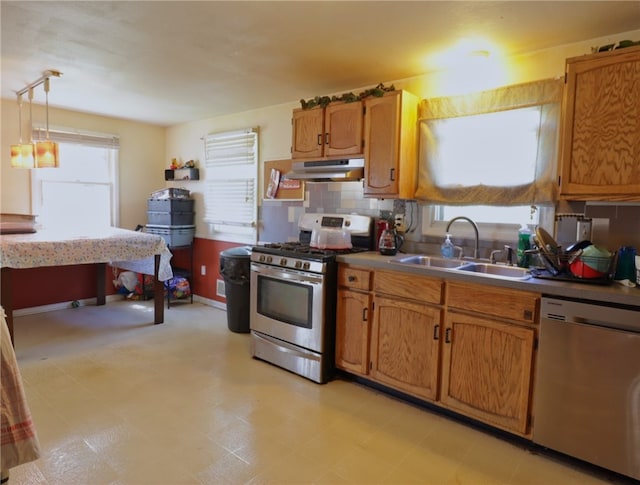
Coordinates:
[98,140]
[231,182]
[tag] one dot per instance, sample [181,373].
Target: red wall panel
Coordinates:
[43,286]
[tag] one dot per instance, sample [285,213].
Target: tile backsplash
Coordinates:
[614,225]
[279,219]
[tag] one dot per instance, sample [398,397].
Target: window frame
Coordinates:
[541,193]
[74,137]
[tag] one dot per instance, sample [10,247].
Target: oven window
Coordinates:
[285,301]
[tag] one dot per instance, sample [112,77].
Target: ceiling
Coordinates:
[168,62]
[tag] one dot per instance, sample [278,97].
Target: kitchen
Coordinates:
[185,140]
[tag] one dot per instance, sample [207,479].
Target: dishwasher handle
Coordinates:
[592,313]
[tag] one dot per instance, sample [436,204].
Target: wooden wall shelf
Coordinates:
[182,174]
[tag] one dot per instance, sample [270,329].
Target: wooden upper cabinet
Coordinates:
[390,145]
[343,124]
[332,132]
[308,129]
[600,137]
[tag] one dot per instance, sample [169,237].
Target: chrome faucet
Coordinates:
[476,249]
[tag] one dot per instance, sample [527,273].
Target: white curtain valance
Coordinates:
[541,187]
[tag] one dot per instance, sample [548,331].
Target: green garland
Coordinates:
[323,101]
[621,45]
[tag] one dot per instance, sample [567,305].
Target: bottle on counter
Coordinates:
[447,249]
[524,244]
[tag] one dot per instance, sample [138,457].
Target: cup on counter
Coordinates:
[638,270]
[625,270]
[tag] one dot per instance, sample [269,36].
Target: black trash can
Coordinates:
[235,268]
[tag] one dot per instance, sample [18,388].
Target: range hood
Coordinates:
[328,170]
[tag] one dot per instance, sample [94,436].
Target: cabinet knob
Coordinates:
[392,174]
[351,278]
[319,138]
[436,332]
[365,314]
[447,336]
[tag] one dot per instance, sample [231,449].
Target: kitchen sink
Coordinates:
[428,261]
[489,269]
[511,272]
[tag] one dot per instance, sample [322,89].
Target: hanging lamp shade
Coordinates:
[44,153]
[47,154]
[22,154]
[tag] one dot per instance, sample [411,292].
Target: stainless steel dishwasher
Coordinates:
[587,394]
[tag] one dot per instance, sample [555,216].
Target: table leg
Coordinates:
[6,297]
[158,293]
[101,298]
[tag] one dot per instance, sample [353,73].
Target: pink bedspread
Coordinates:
[19,439]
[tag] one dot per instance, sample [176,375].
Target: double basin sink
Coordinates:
[496,270]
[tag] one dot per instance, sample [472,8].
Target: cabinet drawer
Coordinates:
[405,285]
[358,279]
[499,302]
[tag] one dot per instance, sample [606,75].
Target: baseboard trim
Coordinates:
[92,302]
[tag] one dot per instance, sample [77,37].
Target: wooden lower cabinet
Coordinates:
[487,369]
[405,346]
[464,346]
[352,331]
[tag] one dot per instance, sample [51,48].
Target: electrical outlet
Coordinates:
[203,270]
[400,223]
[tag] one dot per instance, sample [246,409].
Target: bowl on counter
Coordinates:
[592,262]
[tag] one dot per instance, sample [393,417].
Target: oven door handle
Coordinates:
[287,275]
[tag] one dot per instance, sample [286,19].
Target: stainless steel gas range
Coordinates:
[293,296]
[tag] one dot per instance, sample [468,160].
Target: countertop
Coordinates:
[613,293]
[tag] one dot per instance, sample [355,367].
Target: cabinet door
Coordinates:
[601,127]
[352,331]
[405,346]
[487,368]
[307,137]
[382,136]
[343,129]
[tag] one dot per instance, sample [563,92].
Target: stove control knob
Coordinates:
[298,264]
[262,258]
[283,262]
[306,266]
[269,259]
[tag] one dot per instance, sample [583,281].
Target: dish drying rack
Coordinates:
[560,268]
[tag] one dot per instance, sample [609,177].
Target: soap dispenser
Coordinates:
[447,249]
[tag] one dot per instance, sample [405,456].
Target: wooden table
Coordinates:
[133,250]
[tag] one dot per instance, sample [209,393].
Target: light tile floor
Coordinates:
[117,400]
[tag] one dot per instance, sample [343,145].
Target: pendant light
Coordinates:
[21,153]
[44,153]
[47,151]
